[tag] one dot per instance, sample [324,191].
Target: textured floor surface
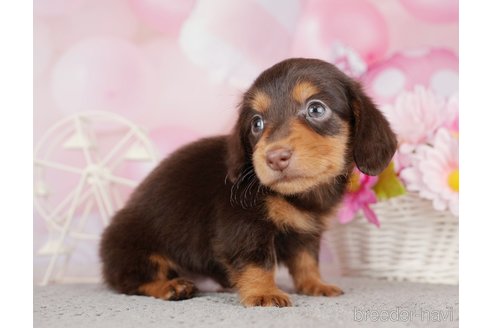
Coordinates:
[366,303]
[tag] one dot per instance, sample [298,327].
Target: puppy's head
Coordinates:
[302,123]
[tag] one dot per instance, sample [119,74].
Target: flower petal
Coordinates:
[370,215]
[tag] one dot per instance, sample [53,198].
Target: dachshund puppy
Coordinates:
[233,207]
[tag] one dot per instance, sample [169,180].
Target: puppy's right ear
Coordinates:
[374,141]
[236,150]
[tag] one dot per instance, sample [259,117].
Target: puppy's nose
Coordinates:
[278,159]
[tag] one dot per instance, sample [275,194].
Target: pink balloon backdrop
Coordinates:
[356,23]
[69,29]
[102,74]
[436,69]
[54,8]
[165,16]
[435,11]
[178,67]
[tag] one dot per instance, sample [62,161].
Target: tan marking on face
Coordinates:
[260,101]
[257,287]
[305,272]
[286,216]
[303,90]
[316,159]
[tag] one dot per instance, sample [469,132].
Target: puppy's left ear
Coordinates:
[374,143]
[236,151]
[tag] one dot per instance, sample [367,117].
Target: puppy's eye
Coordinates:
[257,125]
[317,110]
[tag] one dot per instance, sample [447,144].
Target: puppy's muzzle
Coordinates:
[278,159]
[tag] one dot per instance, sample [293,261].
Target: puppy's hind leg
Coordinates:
[165,287]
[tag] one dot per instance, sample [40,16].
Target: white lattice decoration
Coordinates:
[415,243]
[88,153]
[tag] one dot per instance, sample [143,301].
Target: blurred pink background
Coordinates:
[178,68]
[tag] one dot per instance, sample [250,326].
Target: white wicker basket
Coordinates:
[415,243]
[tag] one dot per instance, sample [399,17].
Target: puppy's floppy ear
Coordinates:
[374,143]
[236,150]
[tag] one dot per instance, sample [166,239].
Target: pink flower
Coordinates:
[453,109]
[415,117]
[434,172]
[358,197]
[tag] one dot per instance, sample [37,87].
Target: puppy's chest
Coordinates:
[289,216]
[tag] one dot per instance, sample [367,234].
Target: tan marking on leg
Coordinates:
[156,289]
[163,288]
[307,279]
[286,216]
[257,287]
[173,290]
[260,101]
[163,264]
[303,90]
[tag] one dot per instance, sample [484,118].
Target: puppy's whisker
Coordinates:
[257,191]
[260,190]
[247,178]
[250,180]
[235,188]
[247,191]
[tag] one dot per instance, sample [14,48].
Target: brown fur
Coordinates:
[215,208]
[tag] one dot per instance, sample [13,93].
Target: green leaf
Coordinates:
[388,184]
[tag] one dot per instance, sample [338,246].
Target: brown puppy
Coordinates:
[232,207]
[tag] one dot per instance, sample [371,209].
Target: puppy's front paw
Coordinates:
[275,298]
[319,289]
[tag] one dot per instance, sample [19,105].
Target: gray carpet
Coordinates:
[366,303]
